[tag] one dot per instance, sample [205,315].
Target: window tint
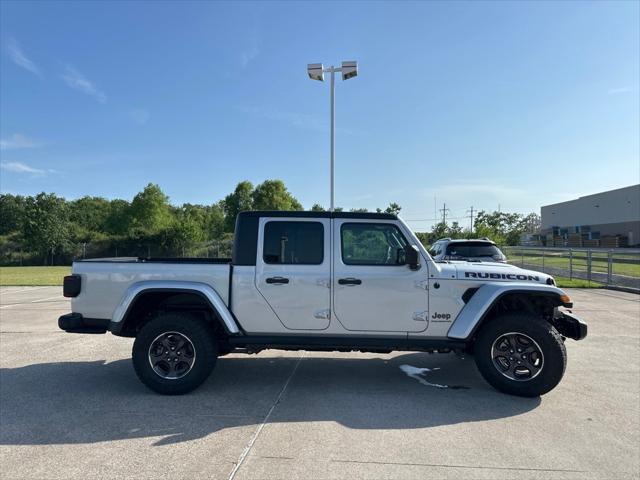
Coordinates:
[372,244]
[290,243]
[469,250]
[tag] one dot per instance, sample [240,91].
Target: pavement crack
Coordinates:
[443,465]
[256,434]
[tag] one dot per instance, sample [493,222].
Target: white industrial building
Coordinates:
[604,219]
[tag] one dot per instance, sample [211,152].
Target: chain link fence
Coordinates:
[617,267]
[13,254]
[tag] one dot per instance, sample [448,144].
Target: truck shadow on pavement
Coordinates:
[89,402]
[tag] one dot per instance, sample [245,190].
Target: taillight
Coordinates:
[71,286]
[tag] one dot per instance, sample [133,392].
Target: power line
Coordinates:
[444,211]
[471,215]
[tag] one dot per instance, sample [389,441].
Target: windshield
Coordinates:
[468,250]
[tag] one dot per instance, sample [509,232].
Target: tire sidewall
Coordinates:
[197,331]
[547,338]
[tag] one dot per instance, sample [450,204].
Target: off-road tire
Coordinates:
[197,331]
[545,336]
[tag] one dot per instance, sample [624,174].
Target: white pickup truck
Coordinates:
[330,282]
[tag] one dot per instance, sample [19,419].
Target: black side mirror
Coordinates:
[412,256]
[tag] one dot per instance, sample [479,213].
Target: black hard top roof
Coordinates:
[298,214]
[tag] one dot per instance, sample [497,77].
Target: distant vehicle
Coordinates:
[467,250]
[324,281]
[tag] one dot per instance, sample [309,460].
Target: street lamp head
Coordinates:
[315,71]
[349,70]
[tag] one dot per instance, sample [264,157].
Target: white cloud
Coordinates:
[18,167]
[139,115]
[19,58]
[17,141]
[76,80]
[617,91]
[249,55]
[298,120]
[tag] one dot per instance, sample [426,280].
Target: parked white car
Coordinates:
[324,281]
[470,250]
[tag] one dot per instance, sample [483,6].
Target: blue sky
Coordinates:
[508,103]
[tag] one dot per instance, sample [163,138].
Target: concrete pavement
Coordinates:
[72,407]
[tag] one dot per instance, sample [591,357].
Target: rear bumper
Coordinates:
[76,323]
[570,325]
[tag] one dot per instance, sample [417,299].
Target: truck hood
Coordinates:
[492,272]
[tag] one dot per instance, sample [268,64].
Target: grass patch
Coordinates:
[32,276]
[564,282]
[628,265]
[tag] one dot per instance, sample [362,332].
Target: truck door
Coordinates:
[293,270]
[373,288]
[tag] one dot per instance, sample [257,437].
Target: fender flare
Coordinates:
[202,289]
[485,298]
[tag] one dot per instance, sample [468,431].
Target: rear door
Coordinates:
[293,270]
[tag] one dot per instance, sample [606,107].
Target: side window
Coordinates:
[293,243]
[372,244]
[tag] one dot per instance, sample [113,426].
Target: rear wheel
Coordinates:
[520,355]
[174,353]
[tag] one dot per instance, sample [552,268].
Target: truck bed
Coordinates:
[106,280]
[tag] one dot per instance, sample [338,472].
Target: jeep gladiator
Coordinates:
[326,281]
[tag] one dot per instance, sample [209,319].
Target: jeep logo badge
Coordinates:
[441,316]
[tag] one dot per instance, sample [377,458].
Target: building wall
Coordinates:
[616,212]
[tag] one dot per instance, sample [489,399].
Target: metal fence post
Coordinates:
[543,253]
[609,267]
[522,257]
[589,265]
[570,264]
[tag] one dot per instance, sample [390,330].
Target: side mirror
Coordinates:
[412,257]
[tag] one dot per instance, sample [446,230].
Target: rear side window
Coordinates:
[293,243]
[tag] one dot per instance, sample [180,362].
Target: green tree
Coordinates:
[240,200]
[273,195]
[393,208]
[90,213]
[118,219]
[317,208]
[150,210]
[215,221]
[11,213]
[46,225]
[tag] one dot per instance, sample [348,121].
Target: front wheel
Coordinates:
[520,355]
[174,353]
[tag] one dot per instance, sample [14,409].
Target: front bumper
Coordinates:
[76,323]
[570,325]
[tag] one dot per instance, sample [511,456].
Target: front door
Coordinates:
[373,288]
[293,270]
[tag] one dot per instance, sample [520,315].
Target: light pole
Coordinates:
[316,72]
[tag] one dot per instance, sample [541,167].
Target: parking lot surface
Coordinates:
[72,407]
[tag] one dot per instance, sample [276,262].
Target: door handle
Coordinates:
[350,281]
[277,280]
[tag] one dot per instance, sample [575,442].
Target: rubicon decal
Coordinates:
[502,276]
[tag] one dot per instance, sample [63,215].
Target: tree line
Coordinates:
[46,229]
[501,227]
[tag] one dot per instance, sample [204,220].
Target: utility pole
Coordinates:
[470,212]
[444,211]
